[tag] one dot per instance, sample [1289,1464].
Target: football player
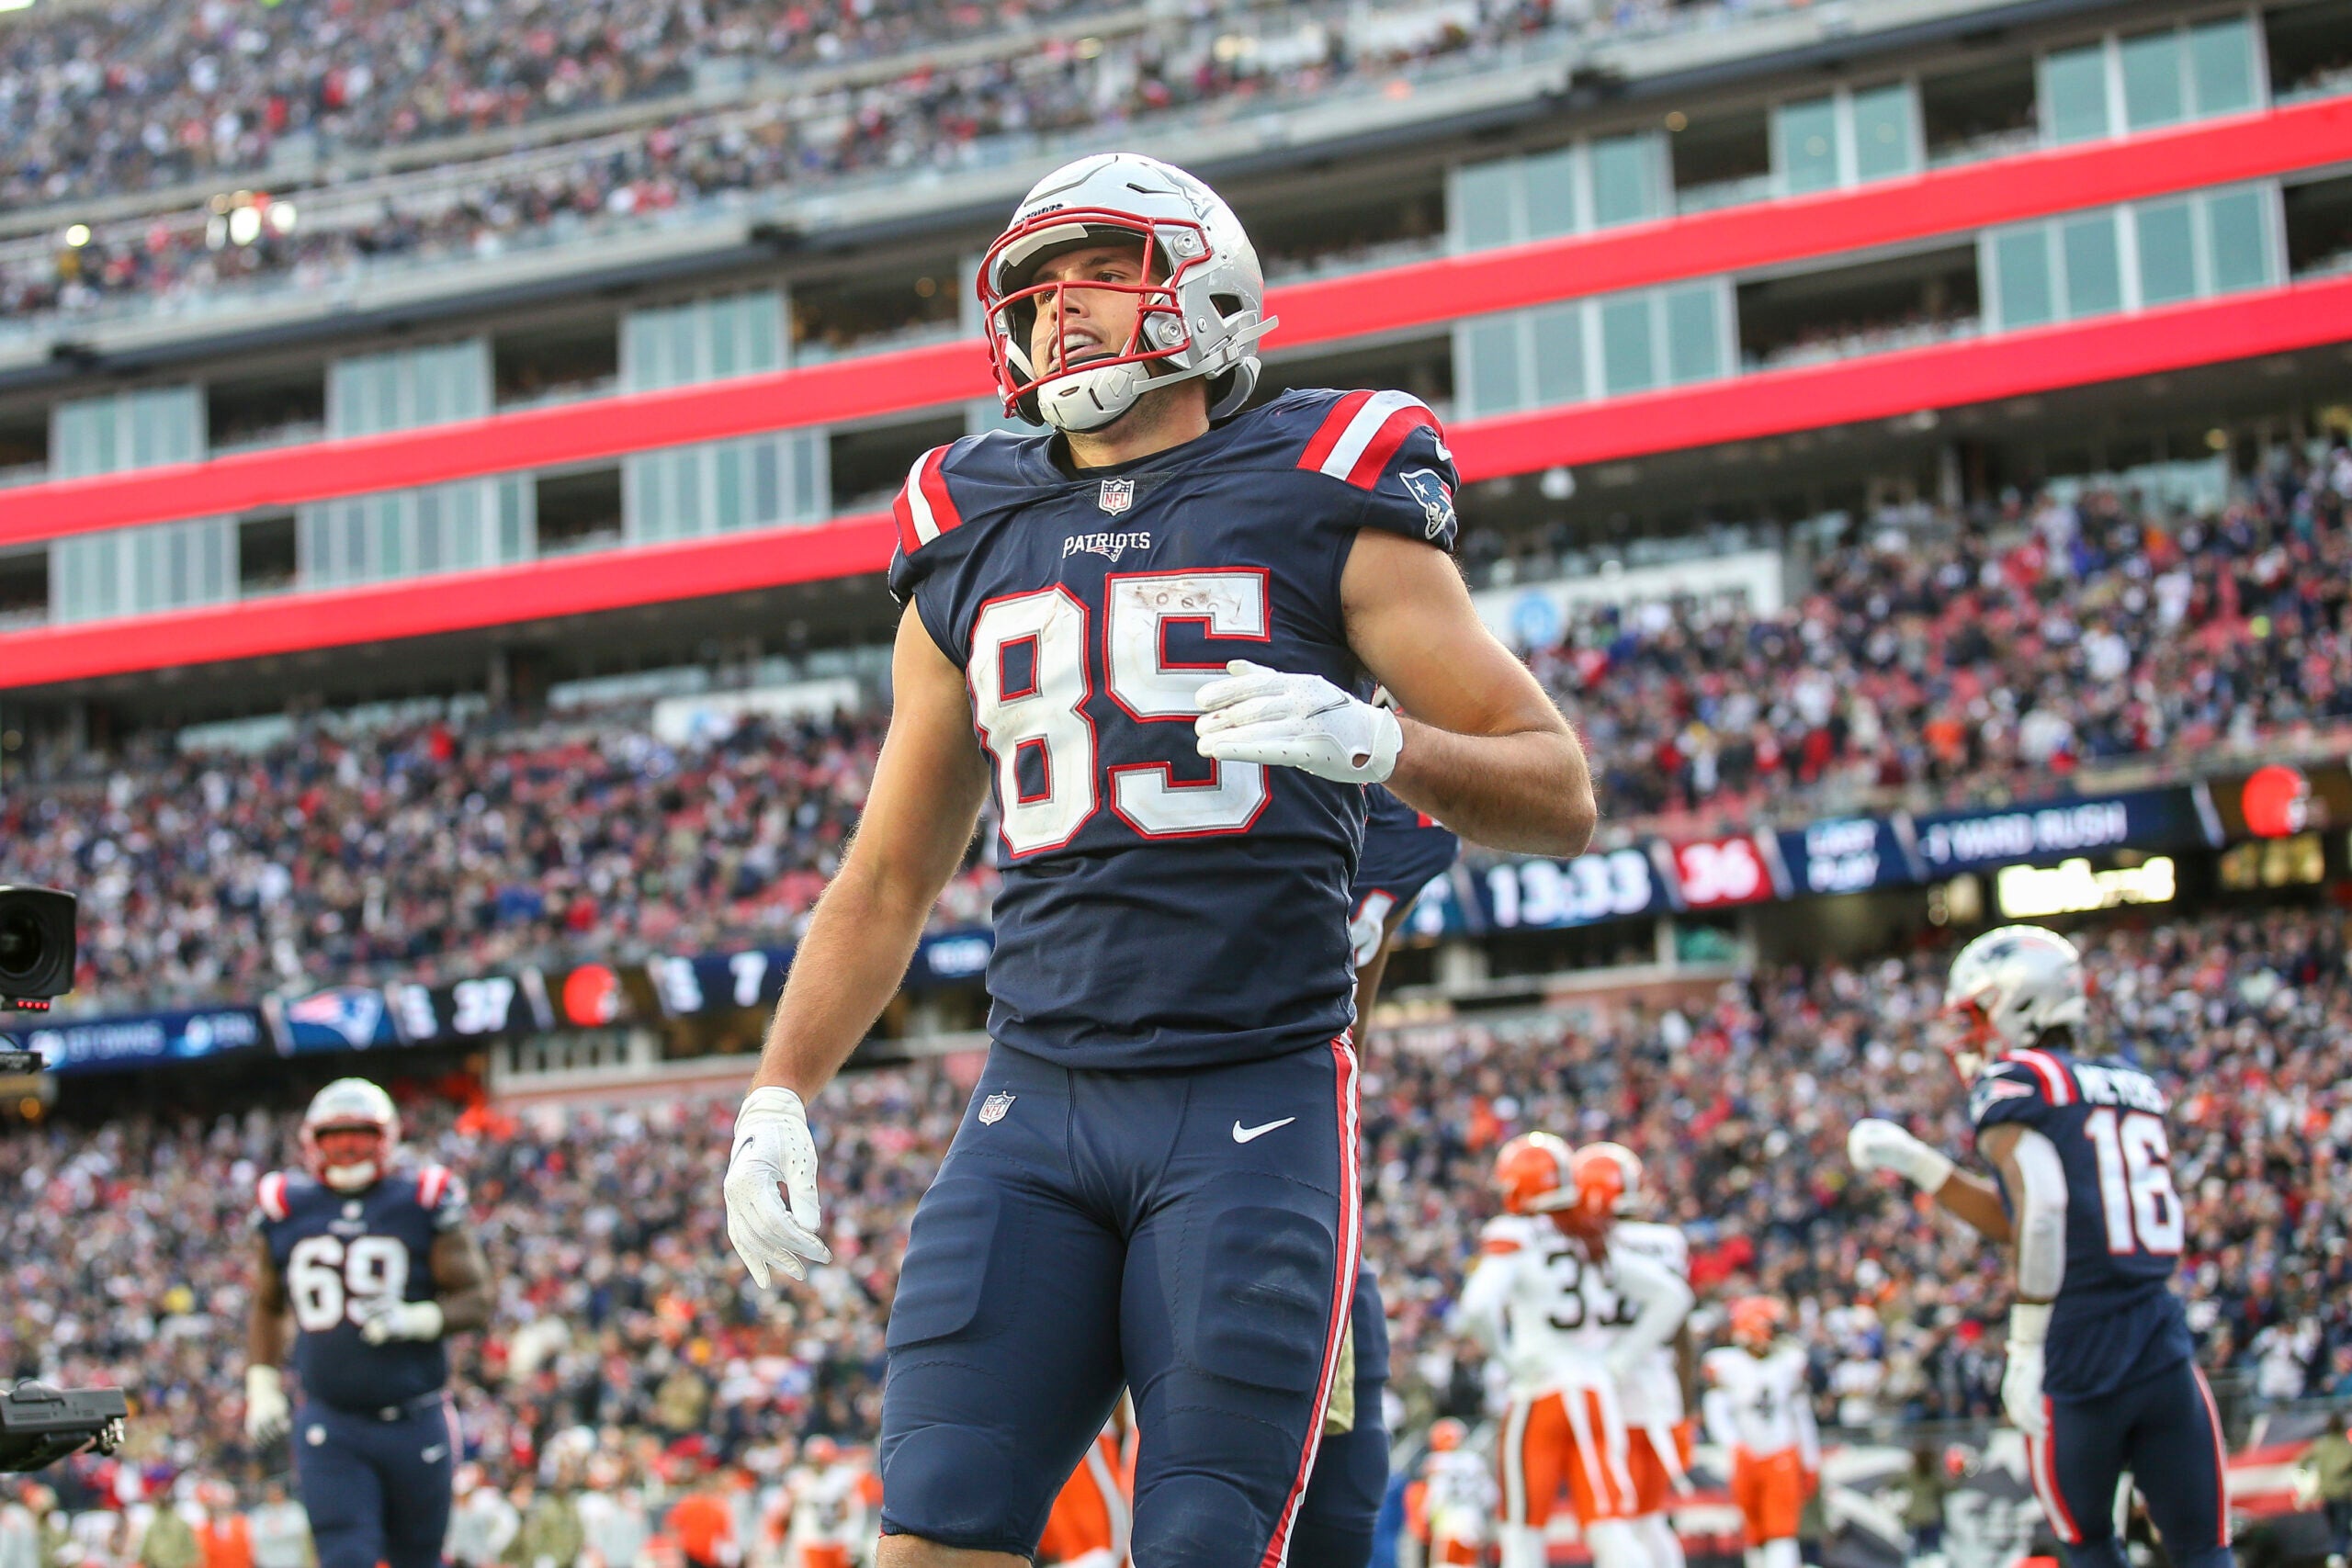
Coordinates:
[1574,1319]
[366,1260]
[1150,632]
[2101,1376]
[1757,1406]
[1654,1391]
[1404,852]
[1448,1507]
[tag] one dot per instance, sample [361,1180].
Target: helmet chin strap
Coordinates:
[1083,400]
[350,1177]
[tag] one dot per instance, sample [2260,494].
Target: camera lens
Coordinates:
[22,945]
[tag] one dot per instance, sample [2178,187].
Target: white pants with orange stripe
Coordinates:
[1577,1439]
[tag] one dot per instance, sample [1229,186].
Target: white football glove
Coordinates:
[772,1150]
[1874,1144]
[1257,714]
[268,1416]
[2021,1379]
[384,1319]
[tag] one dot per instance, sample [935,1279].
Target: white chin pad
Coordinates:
[351,1178]
[1089,400]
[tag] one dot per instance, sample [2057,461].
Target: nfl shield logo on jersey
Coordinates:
[1117,496]
[993,1108]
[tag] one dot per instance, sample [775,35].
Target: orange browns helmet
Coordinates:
[1446,1435]
[1755,1321]
[1531,1173]
[1606,1177]
[1629,1170]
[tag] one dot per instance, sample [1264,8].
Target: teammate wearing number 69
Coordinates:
[370,1257]
[1151,633]
[2101,1373]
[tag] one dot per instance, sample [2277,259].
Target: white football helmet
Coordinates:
[1201,303]
[344,1105]
[2011,986]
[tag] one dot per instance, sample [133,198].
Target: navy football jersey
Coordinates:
[1402,849]
[2116,1318]
[1158,909]
[338,1251]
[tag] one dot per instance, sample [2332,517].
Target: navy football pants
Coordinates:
[1335,1522]
[2164,1431]
[376,1491]
[1190,1233]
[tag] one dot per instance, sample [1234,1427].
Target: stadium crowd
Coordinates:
[125,97]
[1993,659]
[435,850]
[208,89]
[629,1345]
[1989,660]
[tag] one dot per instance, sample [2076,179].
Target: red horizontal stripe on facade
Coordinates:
[1778,402]
[422,606]
[1422,293]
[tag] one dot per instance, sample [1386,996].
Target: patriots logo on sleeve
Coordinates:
[1429,487]
[1992,1088]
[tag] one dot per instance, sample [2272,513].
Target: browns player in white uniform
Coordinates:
[1653,1392]
[1572,1318]
[1758,1407]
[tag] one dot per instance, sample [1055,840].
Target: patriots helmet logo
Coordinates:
[1429,487]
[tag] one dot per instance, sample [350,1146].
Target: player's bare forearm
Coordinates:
[266,1324]
[461,1281]
[928,785]
[2000,1145]
[1529,791]
[1973,1201]
[1486,752]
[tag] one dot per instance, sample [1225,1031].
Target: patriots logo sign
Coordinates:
[1427,487]
[347,1012]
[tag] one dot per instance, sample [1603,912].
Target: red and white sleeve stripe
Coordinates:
[1363,432]
[923,509]
[2057,1084]
[271,1195]
[431,1183]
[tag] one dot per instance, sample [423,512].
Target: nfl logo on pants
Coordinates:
[1117,496]
[992,1108]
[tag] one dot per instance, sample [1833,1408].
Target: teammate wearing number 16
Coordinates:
[2101,1373]
[369,1257]
[1150,632]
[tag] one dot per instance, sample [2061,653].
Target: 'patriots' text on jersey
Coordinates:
[1159,909]
[337,1253]
[2116,1318]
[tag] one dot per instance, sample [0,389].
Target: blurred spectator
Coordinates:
[281,1530]
[2328,1466]
[703,1522]
[22,1517]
